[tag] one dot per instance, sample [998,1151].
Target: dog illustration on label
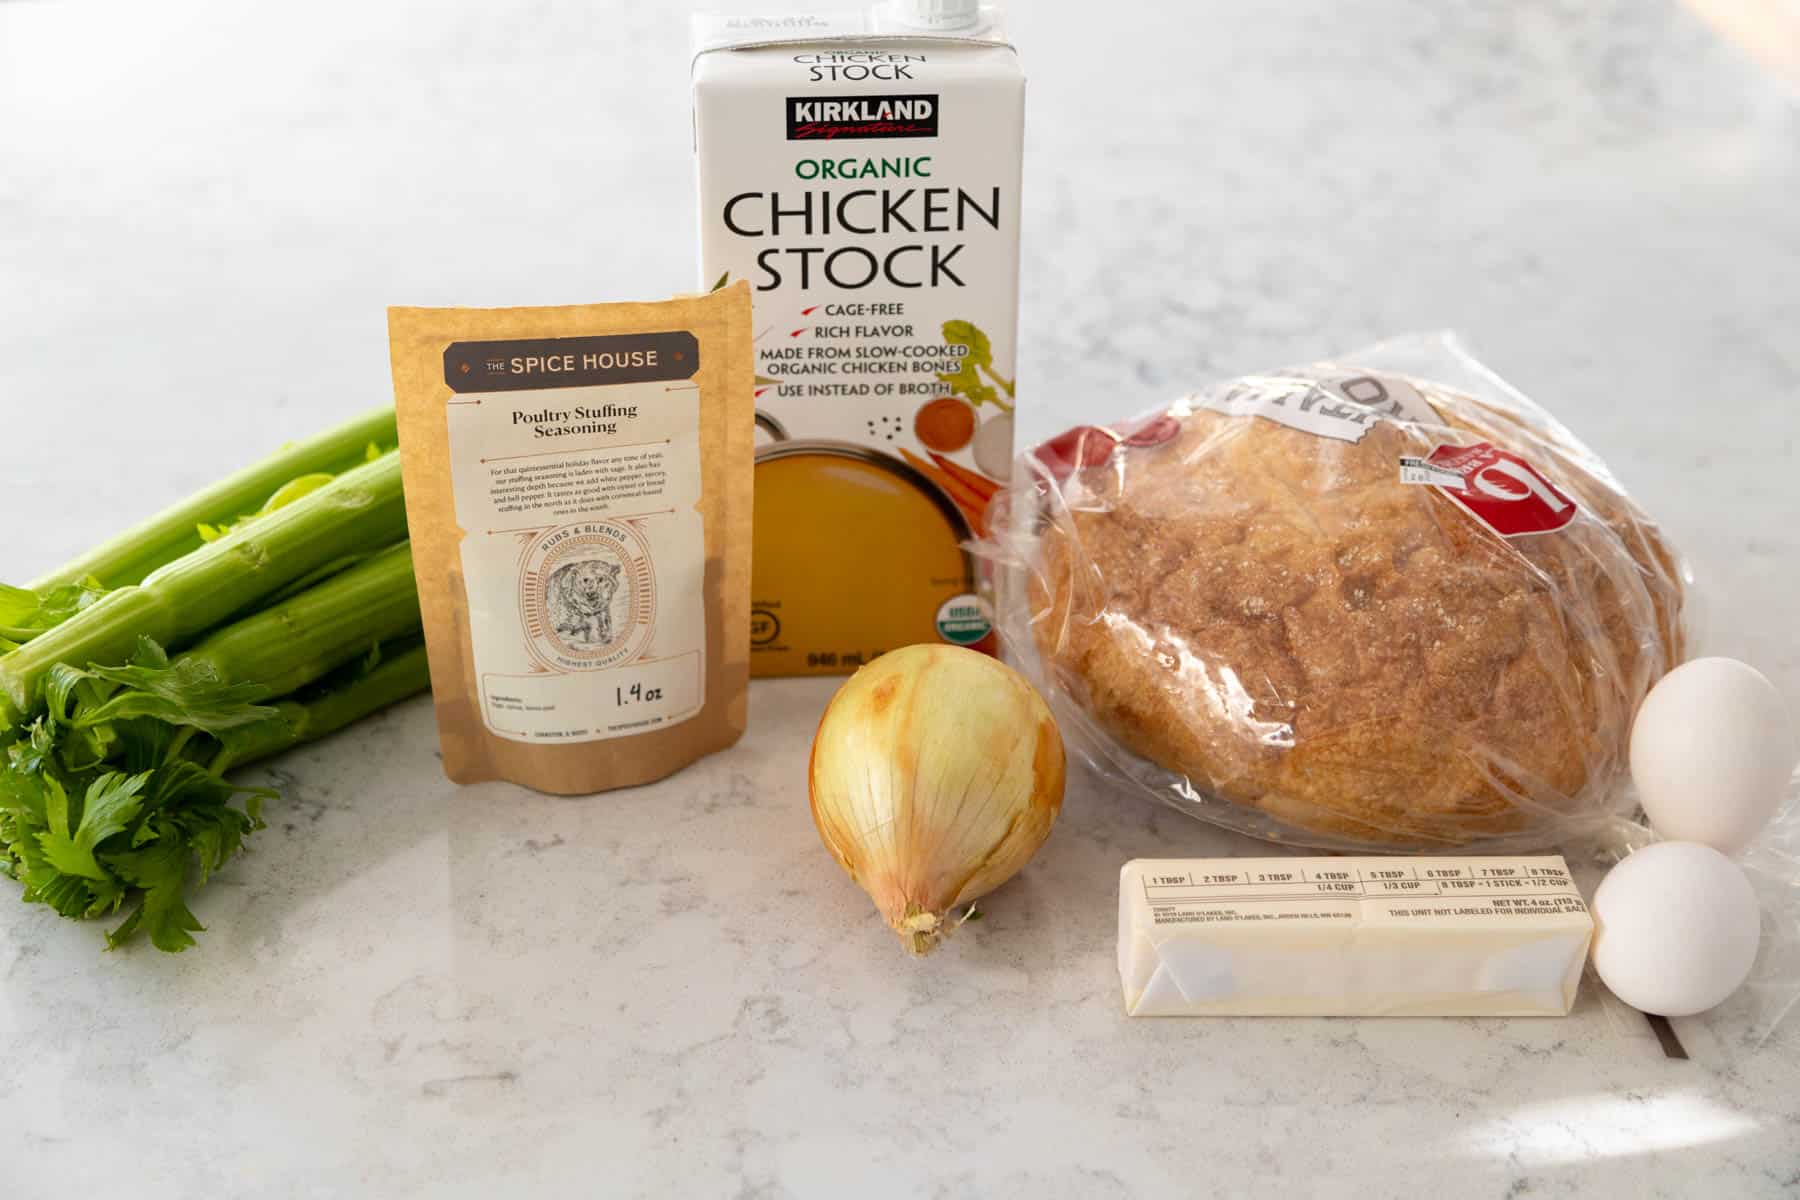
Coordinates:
[579,597]
[587,594]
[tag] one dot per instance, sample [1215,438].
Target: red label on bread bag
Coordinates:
[1094,445]
[1503,491]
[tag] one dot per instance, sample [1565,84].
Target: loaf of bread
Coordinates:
[1276,594]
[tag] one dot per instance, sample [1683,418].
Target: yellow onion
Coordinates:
[936,774]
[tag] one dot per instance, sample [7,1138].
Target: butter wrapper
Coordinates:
[1363,937]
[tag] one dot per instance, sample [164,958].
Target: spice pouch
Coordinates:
[578,491]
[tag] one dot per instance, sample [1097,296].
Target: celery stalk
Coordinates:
[172,533]
[290,644]
[361,508]
[221,682]
[300,721]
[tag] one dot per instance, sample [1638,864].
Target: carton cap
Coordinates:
[935,14]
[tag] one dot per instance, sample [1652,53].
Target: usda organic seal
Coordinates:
[964,620]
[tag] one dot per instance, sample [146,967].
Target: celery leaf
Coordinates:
[108,807]
[22,795]
[186,692]
[16,603]
[86,843]
[159,872]
[282,496]
[198,805]
[33,754]
[24,613]
[192,822]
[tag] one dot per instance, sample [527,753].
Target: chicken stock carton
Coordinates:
[861,172]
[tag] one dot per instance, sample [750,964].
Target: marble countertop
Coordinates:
[411,989]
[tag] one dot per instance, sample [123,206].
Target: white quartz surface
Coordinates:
[410,989]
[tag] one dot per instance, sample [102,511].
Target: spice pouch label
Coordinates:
[585,486]
[582,551]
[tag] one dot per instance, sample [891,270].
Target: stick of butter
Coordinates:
[1365,937]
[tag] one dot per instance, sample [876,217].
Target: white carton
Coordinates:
[1350,937]
[864,176]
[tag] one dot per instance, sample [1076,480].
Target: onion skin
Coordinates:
[936,774]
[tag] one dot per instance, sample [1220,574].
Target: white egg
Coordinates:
[1675,928]
[1712,751]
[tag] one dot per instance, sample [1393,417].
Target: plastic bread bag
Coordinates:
[1772,861]
[1381,604]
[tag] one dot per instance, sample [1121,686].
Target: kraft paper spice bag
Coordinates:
[578,488]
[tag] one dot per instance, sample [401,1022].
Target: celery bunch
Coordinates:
[270,609]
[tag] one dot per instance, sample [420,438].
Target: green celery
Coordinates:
[174,532]
[361,508]
[91,841]
[288,645]
[297,721]
[220,682]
